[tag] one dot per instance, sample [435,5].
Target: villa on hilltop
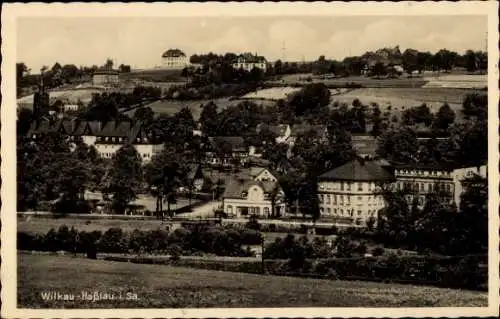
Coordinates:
[174,59]
[248,61]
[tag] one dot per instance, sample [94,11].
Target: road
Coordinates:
[204,211]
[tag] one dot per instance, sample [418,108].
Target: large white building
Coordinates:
[106,137]
[249,61]
[421,180]
[353,190]
[174,59]
[254,192]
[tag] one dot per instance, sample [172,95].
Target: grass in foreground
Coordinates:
[175,287]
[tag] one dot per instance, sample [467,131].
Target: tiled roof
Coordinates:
[250,58]
[115,129]
[358,170]
[237,187]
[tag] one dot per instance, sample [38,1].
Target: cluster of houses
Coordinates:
[351,191]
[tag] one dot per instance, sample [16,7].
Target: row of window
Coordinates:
[248,210]
[346,212]
[341,199]
[421,172]
[422,187]
[109,155]
[348,186]
[120,139]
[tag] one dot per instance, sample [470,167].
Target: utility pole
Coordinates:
[263,265]
[283,52]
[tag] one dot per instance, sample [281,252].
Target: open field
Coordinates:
[72,95]
[400,99]
[175,287]
[170,107]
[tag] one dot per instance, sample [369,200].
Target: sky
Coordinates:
[140,42]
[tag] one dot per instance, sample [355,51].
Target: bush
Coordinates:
[113,241]
[378,251]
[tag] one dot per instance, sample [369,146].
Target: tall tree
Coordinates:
[124,179]
[166,172]
[444,117]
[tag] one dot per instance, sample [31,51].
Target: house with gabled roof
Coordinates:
[353,190]
[248,61]
[106,137]
[254,192]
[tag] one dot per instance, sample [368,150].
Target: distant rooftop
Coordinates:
[173,53]
[358,170]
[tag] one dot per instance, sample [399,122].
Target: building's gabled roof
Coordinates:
[250,58]
[173,53]
[89,128]
[236,188]
[115,129]
[45,127]
[358,170]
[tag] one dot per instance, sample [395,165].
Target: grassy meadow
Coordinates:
[159,286]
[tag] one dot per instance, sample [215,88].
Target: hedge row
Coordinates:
[469,272]
[213,240]
[449,272]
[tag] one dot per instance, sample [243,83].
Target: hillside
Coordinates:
[168,287]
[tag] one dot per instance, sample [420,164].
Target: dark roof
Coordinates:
[173,53]
[45,127]
[87,128]
[236,187]
[253,171]
[115,129]
[358,170]
[251,58]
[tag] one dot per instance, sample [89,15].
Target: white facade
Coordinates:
[174,62]
[460,174]
[248,66]
[254,200]
[146,151]
[70,107]
[89,139]
[426,181]
[255,203]
[357,200]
